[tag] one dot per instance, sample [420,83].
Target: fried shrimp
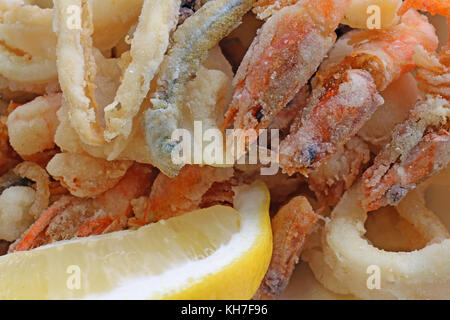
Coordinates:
[71,217]
[338,174]
[420,146]
[289,226]
[392,177]
[431,6]
[184,193]
[32,126]
[347,94]
[116,202]
[356,16]
[279,62]
[34,172]
[329,121]
[8,157]
[265,8]
[85,176]
[191,43]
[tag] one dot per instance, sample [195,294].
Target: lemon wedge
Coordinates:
[214,253]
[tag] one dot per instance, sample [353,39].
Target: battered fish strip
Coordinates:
[191,43]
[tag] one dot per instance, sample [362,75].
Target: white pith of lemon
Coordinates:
[214,253]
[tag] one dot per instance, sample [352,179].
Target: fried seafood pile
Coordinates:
[92,91]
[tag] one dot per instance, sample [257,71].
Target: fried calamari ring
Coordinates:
[22,58]
[404,275]
[191,43]
[28,61]
[77,68]
[75,49]
[414,209]
[149,44]
[323,272]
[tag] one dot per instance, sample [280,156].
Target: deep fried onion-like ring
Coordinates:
[28,42]
[421,274]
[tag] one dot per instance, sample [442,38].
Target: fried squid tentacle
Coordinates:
[191,43]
